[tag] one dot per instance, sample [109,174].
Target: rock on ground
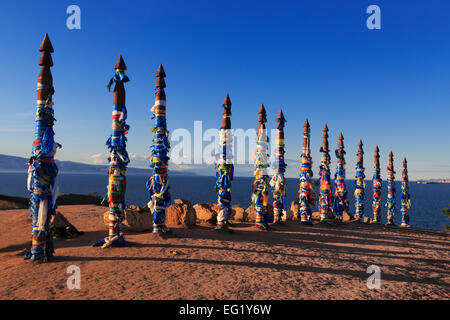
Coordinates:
[251,213]
[61,227]
[288,215]
[206,212]
[140,219]
[181,213]
[238,213]
[295,207]
[347,216]
[136,219]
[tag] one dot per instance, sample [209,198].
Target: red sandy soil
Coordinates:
[294,262]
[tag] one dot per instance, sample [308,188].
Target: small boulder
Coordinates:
[136,219]
[181,213]
[61,227]
[134,208]
[315,215]
[238,213]
[206,212]
[288,215]
[251,213]
[295,207]
[347,216]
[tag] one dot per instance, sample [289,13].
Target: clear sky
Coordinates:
[314,59]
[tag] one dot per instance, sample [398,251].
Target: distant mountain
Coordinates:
[12,163]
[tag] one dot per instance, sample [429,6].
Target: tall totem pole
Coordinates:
[390,202]
[305,189]
[158,184]
[224,174]
[376,182]
[340,194]
[42,170]
[278,182]
[325,195]
[118,158]
[405,197]
[360,184]
[260,194]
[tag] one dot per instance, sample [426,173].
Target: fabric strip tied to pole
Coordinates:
[325,195]
[42,170]
[260,190]
[225,168]
[158,187]
[118,159]
[278,181]
[305,189]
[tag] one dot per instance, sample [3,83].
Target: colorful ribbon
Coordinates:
[376,183]
[405,203]
[325,195]
[278,181]
[224,166]
[390,202]
[360,184]
[306,174]
[340,195]
[158,184]
[260,190]
[118,159]
[42,170]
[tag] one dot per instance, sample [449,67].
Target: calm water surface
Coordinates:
[427,200]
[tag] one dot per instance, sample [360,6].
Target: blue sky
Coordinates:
[314,59]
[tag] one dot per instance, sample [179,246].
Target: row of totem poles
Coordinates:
[42,170]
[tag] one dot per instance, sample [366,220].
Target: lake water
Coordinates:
[427,200]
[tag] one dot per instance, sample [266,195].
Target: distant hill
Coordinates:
[12,163]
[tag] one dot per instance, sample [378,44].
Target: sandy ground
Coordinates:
[294,262]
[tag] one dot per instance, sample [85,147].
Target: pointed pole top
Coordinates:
[227,101]
[262,115]
[324,147]
[404,161]
[341,140]
[360,143]
[306,124]
[160,83]
[262,110]
[120,64]
[280,120]
[390,166]
[325,131]
[391,159]
[46,50]
[376,159]
[160,72]
[281,115]
[46,44]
